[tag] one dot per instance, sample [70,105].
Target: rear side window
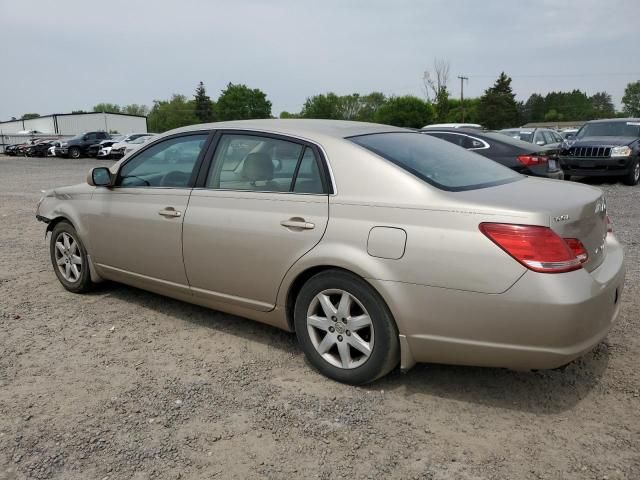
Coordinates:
[264,164]
[438,163]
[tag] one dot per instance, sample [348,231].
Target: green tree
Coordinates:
[470,110]
[631,99]
[168,114]
[325,105]
[369,106]
[534,109]
[497,108]
[29,116]
[239,102]
[135,109]
[405,111]
[602,106]
[442,104]
[203,104]
[285,114]
[107,108]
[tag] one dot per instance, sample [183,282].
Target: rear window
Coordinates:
[437,162]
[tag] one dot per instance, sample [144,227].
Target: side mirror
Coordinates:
[569,136]
[99,177]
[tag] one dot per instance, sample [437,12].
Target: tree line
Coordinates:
[496,108]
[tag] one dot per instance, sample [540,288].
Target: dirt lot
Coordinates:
[123,384]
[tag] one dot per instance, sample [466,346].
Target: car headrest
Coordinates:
[257,167]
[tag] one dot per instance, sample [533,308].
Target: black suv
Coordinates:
[604,148]
[79,145]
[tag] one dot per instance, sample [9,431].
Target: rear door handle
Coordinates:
[297,224]
[170,212]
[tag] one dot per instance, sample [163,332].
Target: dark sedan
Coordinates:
[523,157]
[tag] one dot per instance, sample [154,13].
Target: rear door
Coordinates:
[260,207]
[136,226]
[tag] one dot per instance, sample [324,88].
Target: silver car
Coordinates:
[377,245]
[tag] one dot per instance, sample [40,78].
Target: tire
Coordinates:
[69,259]
[633,177]
[74,152]
[567,177]
[369,324]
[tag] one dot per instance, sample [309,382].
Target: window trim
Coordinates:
[196,168]
[326,174]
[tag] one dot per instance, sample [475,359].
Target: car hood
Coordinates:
[602,141]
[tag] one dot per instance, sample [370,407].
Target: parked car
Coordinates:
[539,136]
[377,245]
[51,152]
[118,149]
[40,147]
[94,150]
[568,133]
[22,148]
[11,149]
[605,148]
[523,157]
[78,146]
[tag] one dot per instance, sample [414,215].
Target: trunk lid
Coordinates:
[571,210]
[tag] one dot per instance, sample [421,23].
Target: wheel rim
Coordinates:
[636,172]
[340,328]
[75,153]
[68,257]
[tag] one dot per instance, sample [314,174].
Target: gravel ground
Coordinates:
[122,384]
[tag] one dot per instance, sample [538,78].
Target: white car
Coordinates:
[51,151]
[117,150]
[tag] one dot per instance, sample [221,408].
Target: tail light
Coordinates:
[531,160]
[538,248]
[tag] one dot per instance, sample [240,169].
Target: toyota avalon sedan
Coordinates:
[376,245]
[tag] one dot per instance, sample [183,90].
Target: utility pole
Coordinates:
[462,79]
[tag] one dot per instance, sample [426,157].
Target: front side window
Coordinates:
[168,163]
[438,163]
[263,164]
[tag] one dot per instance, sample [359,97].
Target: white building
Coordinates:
[65,124]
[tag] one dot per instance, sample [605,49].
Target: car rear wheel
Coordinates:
[69,258]
[74,152]
[345,329]
[633,177]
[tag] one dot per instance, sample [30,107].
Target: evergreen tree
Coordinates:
[203,105]
[602,106]
[498,107]
[631,99]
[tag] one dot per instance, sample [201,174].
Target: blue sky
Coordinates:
[71,54]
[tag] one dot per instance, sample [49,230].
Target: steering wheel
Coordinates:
[174,178]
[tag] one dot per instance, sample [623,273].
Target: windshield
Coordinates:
[436,161]
[610,129]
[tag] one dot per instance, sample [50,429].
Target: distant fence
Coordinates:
[22,138]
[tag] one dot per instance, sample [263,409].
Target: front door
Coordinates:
[264,205]
[136,226]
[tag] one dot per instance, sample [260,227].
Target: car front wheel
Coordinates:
[69,259]
[345,329]
[633,177]
[74,152]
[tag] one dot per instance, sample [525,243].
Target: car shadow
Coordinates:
[540,392]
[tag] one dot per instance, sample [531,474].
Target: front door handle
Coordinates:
[170,212]
[297,223]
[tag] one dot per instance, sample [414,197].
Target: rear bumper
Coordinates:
[542,321]
[596,167]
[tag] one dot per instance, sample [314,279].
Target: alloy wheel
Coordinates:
[340,328]
[68,257]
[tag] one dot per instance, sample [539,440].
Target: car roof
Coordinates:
[617,120]
[309,128]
